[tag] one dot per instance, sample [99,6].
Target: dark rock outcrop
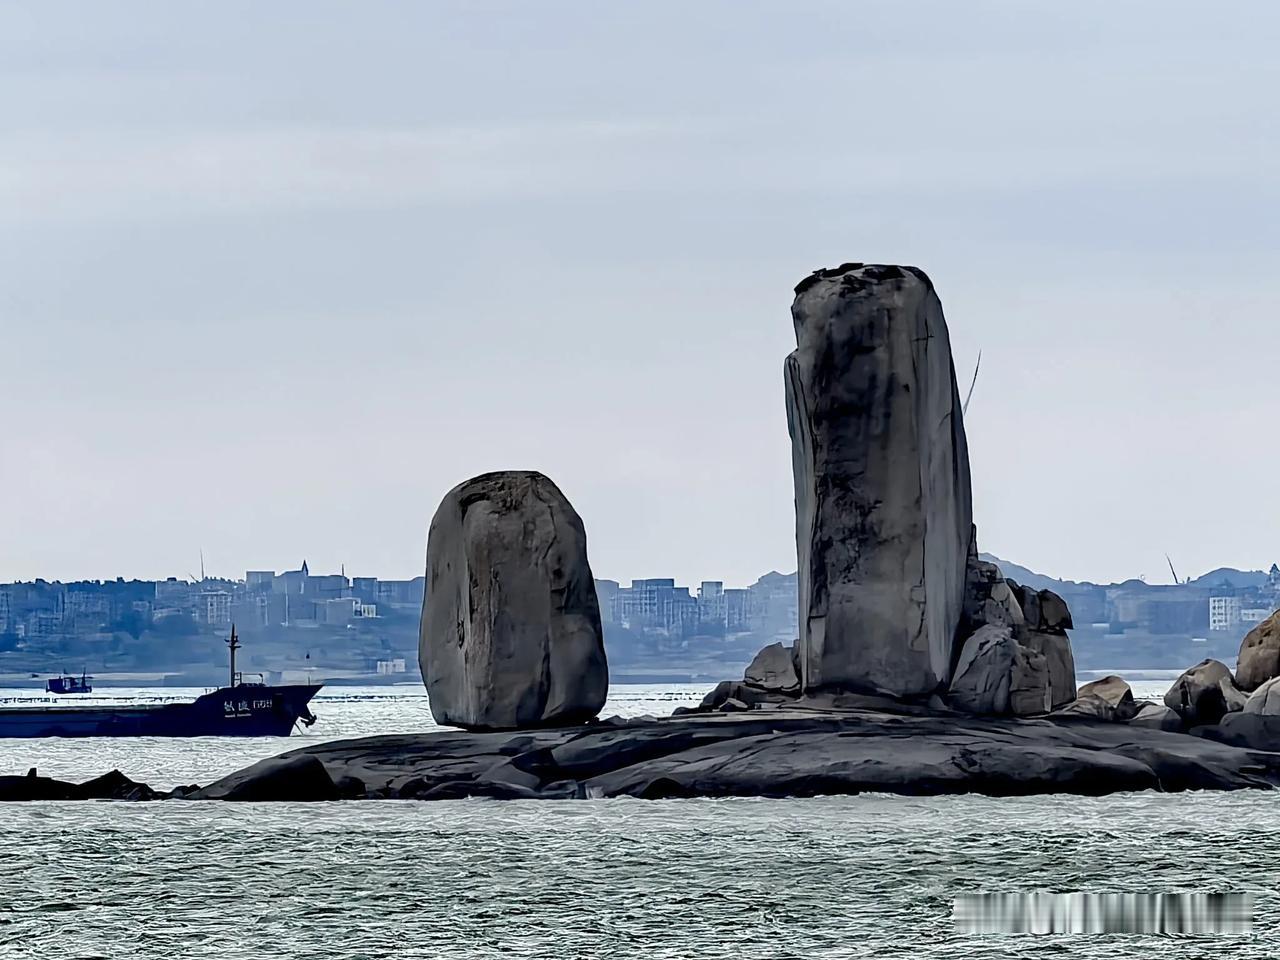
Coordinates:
[881,466]
[785,751]
[1254,731]
[511,634]
[1109,698]
[1259,658]
[1156,716]
[292,777]
[110,786]
[34,787]
[1204,694]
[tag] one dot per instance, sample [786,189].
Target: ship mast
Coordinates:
[233,645]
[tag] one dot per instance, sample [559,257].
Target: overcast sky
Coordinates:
[277,276]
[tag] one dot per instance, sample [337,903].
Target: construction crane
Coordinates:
[1171,570]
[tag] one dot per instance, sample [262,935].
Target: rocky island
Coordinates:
[918,668]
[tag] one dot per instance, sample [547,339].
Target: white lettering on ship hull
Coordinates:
[244,708]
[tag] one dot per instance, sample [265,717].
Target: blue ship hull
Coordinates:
[241,711]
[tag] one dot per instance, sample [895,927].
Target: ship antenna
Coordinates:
[233,645]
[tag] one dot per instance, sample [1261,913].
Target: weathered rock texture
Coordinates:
[1204,694]
[776,753]
[1016,644]
[1046,621]
[1259,659]
[511,634]
[773,669]
[1158,717]
[997,675]
[881,466]
[1265,700]
[1109,698]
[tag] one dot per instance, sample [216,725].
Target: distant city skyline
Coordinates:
[271,292]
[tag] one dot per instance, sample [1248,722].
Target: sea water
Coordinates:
[866,876]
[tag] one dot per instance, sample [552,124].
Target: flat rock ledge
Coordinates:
[788,752]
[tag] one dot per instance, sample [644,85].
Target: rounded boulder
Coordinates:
[511,635]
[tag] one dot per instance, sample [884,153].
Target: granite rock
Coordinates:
[1265,700]
[773,669]
[511,635]
[1204,694]
[996,675]
[989,599]
[1157,716]
[1061,664]
[788,751]
[1259,658]
[294,778]
[881,468]
[1108,698]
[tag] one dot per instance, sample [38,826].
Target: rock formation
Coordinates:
[1046,621]
[773,670]
[881,466]
[1259,658]
[1157,716]
[1204,694]
[1032,660]
[997,675]
[1266,699]
[782,752]
[511,634]
[1109,698]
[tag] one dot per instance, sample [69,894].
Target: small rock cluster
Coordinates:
[1016,660]
[110,786]
[1207,699]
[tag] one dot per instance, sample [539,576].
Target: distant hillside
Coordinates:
[1237,578]
[1026,577]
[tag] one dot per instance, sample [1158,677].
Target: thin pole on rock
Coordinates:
[964,409]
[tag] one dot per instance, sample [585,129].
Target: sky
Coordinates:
[277,276]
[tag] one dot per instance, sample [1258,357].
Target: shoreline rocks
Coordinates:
[1108,698]
[1259,658]
[1204,694]
[790,751]
[1265,700]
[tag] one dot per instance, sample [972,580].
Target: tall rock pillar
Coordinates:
[883,501]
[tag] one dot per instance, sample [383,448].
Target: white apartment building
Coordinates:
[1224,613]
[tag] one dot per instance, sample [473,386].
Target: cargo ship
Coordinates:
[242,709]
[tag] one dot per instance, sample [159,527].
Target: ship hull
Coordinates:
[241,711]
